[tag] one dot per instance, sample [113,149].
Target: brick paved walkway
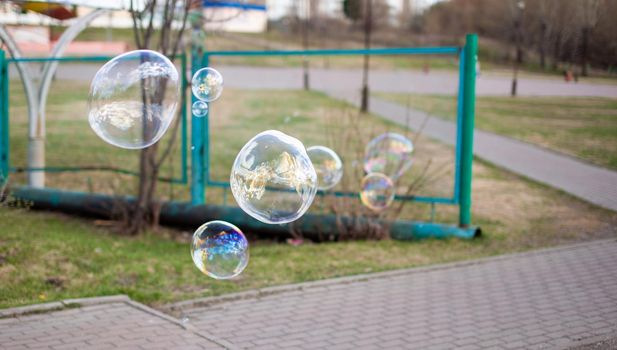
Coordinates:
[546,299]
[101,323]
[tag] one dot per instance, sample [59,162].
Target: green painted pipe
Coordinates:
[469,100]
[187,215]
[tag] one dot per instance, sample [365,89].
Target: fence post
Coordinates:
[469,102]
[198,141]
[184,149]
[4,119]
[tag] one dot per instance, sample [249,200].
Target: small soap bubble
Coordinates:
[133,99]
[199,108]
[207,84]
[388,154]
[220,250]
[377,191]
[328,166]
[273,179]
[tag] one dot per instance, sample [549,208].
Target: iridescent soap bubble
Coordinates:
[199,108]
[328,166]
[207,84]
[389,154]
[220,250]
[133,99]
[273,179]
[377,191]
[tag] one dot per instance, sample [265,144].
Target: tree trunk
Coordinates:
[368,19]
[305,44]
[143,211]
[585,51]
[519,54]
[556,50]
[542,48]
[514,85]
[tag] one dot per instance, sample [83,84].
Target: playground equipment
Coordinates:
[37,98]
[198,211]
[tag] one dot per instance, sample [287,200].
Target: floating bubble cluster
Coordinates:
[133,98]
[388,154]
[273,179]
[220,250]
[207,84]
[199,109]
[328,166]
[377,191]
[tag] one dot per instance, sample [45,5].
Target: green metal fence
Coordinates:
[6,167]
[200,134]
[200,179]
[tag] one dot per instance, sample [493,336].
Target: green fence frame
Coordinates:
[200,135]
[6,169]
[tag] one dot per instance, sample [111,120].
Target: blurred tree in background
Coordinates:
[568,32]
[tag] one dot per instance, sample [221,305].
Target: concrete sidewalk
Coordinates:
[555,298]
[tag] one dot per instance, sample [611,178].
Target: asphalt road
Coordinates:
[436,82]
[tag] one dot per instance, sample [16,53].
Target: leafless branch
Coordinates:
[182,28]
[136,26]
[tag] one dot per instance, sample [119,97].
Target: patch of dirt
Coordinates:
[57,282]
[6,270]
[125,280]
[541,213]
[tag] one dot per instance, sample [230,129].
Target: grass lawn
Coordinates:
[45,256]
[584,127]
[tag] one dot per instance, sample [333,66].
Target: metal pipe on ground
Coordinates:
[187,215]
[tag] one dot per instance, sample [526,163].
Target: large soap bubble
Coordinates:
[377,191]
[273,179]
[220,250]
[207,84]
[328,166]
[389,154]
[133,98]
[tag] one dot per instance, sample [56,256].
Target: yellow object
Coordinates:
[56,11]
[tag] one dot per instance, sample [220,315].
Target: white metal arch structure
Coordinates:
[37,99]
